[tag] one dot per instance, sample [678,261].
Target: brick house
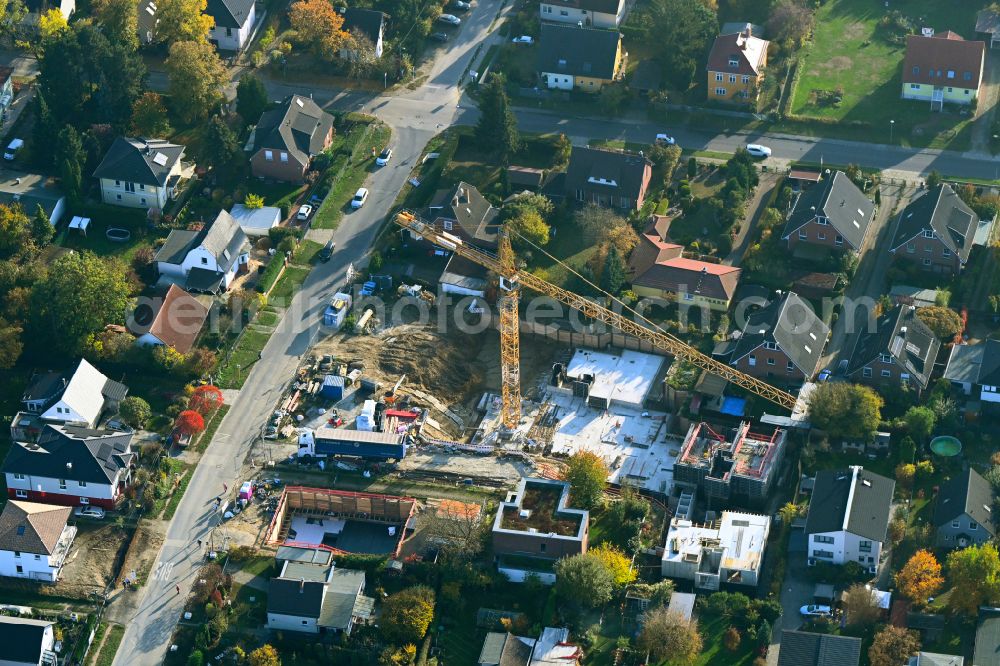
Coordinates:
[936,232]
[783,341]
[834,214]
[901,349]
[610,178]
[286,139]
[736,67]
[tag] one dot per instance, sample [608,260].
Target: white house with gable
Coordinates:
[141,173]
[208,260]
[34,541]
[848,517]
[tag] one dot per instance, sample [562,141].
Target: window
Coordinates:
[823,553]
[887,373]
[720,92]
[688,297]
[773,346]
[284,157]
[770,361]
[819,538]
[916,70]
[305,621]
[143,201]
[204,260]
[951,89]
[822,220]
[789,367]
[62,484]
[867,372]
[910,248]
[17,553]
[83,484]
[914,86]
[229,32]
[955,524]
[966,92]
[541,547]
[951,74]
[865,546]
[21,494]
[130,187]
[733,62]
[967,76]
[38,557]
[839,240]
[118,183]
[84,500]
[19,476]
[718,76]
[142,186]
[803,235]
[119,197]
[732,78]
[927,262]
[268,155]
[927,233]
[746,79]
[753,360]
[821,236]
[563,12]
[946,252]
[973,526]
[20,569]
[448,225]
[885,358]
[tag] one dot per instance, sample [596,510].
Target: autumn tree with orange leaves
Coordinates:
[318,26]
[920,578]
[190,422]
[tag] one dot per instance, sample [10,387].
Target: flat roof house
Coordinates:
[834,214]
[782,341]
[34,541]
[609,178]
[535,527]
[736,66]
[976,370]
[30,191]
[943,67]
[286,139]
[900,349]
[730,553]
[142,173]
[848,517]
[936,231]
[25,642]
[575,58]
[207,260]
[963,511]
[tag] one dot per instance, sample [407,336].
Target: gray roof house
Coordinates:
[987,650]
[234,21]
[938,229]
[900,349]
[287,137]
[935,659]
[312,598]
[367,22]
[141,173]
[571,57]
[976,366]
[30,191]
[963,513]
[836,203]
[803,648]
[25,642]
[611,178]
[506,649]
[206,260]
[787,328]
[848,516]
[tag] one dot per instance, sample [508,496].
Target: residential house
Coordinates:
[610,178]
[936,231]
[317,599]
[935,659]
[552,648]
[987,648]
[939,68]
[207,260]
[71,466]
[834,214]
[25,642]
[805,648]
[84,398]
[737,465]
[689,282]
[36,8]
[900,349]
[256,222]
[146,20]
[576,58]
[34,541]
[963,511]
[607,14]
[730,553]
[367,23]
[988,26]
[782,341]
[234,21]
[286,138]
[29,191]
[848,517]
[142,173]
[173,320]
[736,66]
[975,369]
[535,527]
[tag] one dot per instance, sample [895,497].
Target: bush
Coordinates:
[278,234]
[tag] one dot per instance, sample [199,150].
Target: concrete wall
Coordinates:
[47,491]
[733,88]
[716,304]
[274,169]
[520,575]
[562,14]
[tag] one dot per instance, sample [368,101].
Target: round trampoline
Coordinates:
[946,446]
[118,235]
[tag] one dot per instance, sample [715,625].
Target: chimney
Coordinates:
[302,585]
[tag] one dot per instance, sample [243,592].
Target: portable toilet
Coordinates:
[332,388]
[336,311]
[246,491]
[366,419]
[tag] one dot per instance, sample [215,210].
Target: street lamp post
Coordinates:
[385,79]
[892,125]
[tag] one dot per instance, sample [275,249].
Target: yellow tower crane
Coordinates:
[511,281]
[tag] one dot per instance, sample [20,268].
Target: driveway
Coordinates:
[754,209]
[796,592]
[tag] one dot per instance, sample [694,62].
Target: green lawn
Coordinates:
[110,647]
[337,201]
[206,437]
[305,253]
[288,284]
[849,54]
[97,241]
[233,371]
[268,317]
[277,194]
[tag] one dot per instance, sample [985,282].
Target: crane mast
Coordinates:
[512,280]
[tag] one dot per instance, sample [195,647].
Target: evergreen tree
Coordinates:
[496,131]
[251,98]
[221,143]
[41,229]
[44,134]
[613,276]
[69,158]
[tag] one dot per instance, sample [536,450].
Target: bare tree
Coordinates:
[359,51]
[670,634]
[455,528]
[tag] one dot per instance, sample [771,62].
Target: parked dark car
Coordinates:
[327,251]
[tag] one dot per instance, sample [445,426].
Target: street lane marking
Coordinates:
[163,570]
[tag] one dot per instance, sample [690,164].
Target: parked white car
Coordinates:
[523,39]
[384,157]
[665,138]
[305,210]
[360,197]
[12,149]
[95,512]
[758,150]
[815,610]
[450,19]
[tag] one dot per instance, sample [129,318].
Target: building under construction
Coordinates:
[741,466]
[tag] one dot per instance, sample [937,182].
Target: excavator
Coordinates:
[512,280]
